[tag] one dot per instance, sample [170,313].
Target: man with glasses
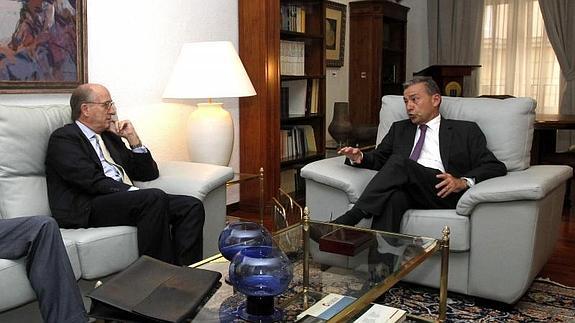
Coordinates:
[89,173]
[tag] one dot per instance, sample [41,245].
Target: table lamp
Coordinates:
[207,70]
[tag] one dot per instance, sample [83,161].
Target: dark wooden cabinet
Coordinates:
[378,31]
[261,120]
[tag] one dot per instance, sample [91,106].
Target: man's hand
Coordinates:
[125,129]
[354,154]
[449,184]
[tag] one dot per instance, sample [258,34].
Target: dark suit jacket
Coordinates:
[462,146]
[74,174]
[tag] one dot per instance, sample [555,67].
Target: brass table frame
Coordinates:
[366,299]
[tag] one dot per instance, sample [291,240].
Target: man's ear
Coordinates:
[84,111]
[436,99]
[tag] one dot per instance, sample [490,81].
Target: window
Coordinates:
[516,56]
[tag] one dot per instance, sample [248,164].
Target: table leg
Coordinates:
[444,273]
[261,179]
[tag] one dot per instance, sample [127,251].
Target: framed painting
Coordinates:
[335,14]
[42,45]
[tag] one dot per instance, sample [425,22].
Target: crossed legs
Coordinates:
[399,185]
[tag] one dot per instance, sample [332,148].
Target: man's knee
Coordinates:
[43,221]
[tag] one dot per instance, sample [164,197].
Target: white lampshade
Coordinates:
[209,70]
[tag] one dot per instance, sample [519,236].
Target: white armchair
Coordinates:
[503,230]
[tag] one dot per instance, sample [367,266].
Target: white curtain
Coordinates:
[454,35]
[559,18]
[516,55]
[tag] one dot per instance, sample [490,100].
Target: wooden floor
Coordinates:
[559,268]
[561,265]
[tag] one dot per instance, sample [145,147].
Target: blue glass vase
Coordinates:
[260,273]
[238,235]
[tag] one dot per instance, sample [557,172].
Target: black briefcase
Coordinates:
[150,290]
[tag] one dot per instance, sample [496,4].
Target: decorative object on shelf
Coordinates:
[335,16]
[239,235]
[43,47]
[209,70]
[340,126]
[260,273]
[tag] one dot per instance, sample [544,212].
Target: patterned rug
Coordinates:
[545,301]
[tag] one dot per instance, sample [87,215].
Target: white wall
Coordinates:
[416,60]
[132,46]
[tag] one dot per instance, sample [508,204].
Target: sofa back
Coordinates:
[24,134]
[507,124]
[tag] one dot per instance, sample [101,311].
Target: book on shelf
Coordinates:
[292,57]
[297,141]
[332,304]
[292,18]
[297,96]
[291,182]
[284,102]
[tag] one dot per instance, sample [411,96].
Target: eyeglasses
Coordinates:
[107,105]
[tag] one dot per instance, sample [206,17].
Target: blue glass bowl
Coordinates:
[260,273]
[239,235]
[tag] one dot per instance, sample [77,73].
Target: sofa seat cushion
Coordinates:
[15,288]
[103,251]
[430,223]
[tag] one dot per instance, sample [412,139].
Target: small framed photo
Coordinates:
[42,46]
[335,16]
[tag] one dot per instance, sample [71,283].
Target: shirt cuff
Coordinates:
[470,181]
[133,188]
[140,150]
[361,158]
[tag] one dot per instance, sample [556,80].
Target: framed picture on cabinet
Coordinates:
[335,16]
[42,46]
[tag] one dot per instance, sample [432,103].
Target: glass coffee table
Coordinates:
[329,258]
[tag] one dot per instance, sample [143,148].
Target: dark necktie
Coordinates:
[419,145]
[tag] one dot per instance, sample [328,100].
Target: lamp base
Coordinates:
[210,134]
[259,309]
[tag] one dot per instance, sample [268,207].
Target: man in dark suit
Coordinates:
[89,173]
[423,162]
[51,276]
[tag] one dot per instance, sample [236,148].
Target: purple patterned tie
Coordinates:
[419,145]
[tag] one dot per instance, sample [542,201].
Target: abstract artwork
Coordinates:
[42,45]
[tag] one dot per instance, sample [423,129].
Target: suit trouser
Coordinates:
[170,227]
[47,264]
[402,184]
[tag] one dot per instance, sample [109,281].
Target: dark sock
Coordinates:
[351,217]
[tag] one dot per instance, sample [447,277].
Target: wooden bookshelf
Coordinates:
[261,30]
[377,56]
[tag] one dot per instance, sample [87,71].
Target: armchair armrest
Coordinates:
[187,178]
[533,183]
[333,172]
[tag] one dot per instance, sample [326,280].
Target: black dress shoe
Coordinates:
[351,217]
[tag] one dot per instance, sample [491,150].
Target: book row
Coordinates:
[297,141]
[292,18]
[292,57]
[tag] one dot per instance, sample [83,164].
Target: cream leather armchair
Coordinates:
[503,230]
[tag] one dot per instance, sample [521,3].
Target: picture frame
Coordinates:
[50,56]
[335,17]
